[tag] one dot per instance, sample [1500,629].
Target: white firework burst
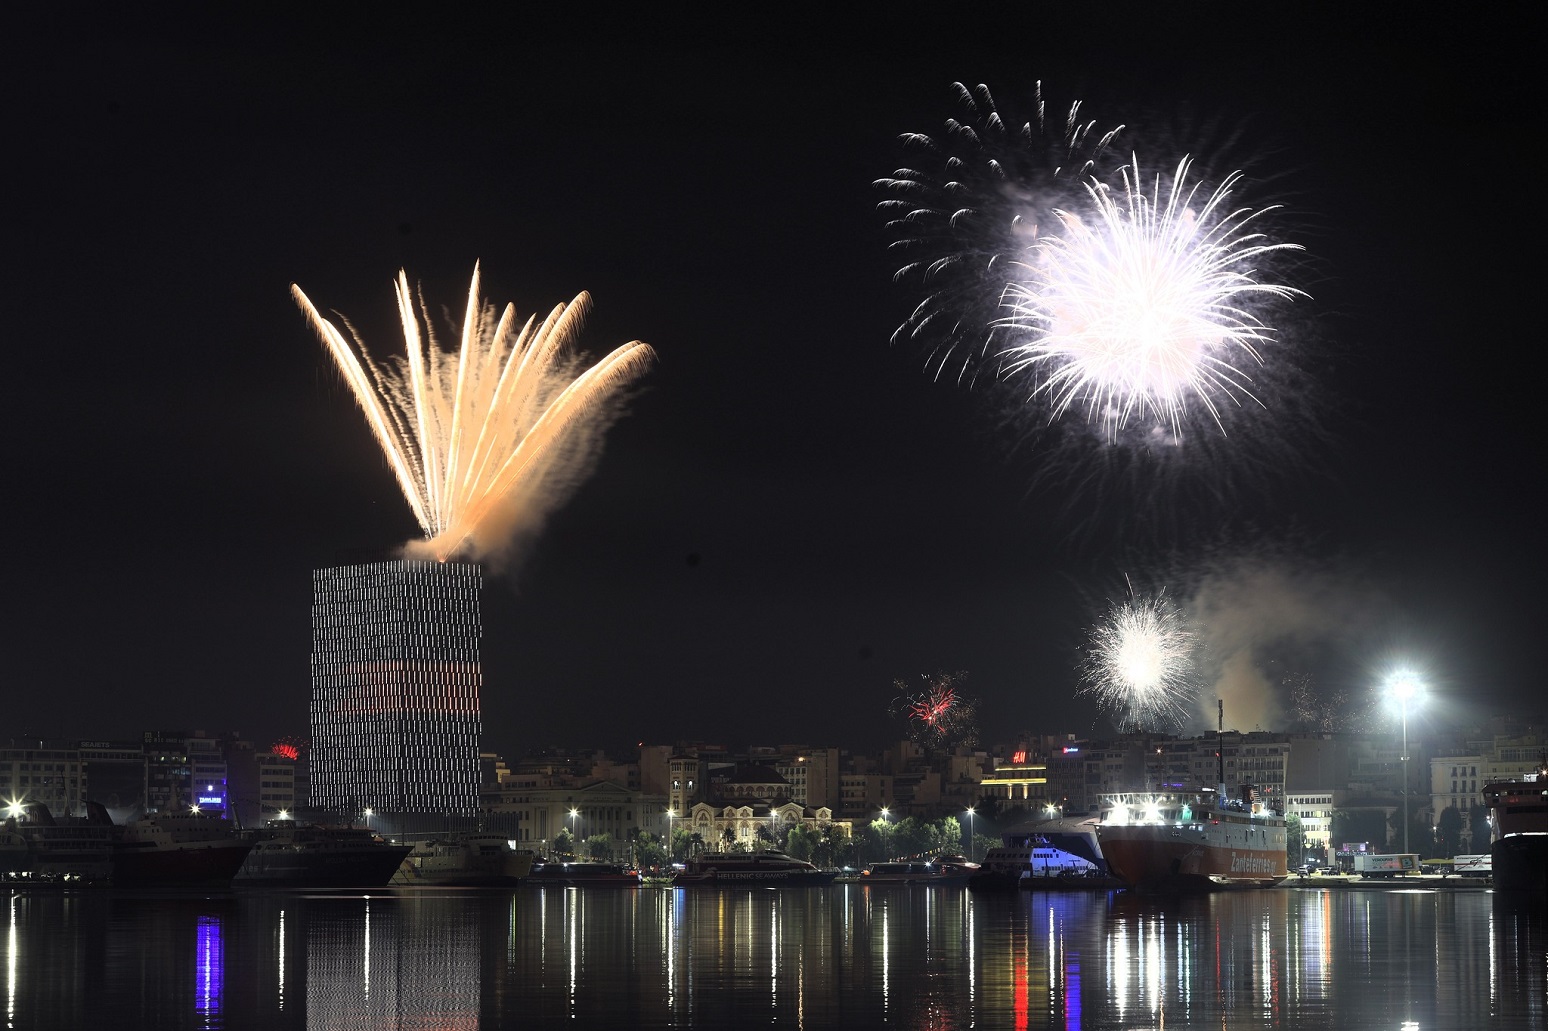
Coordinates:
[1140,663]
[964,211]
[1145,311]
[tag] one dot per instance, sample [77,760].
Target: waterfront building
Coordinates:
[263,785]
[536,806]
[758,823]
[395,688]
[813,775]
[207,775]
[49,772]
[115,777]
[168,777]
[1259,758]
[863,793]
[1021,783]
[1315,811]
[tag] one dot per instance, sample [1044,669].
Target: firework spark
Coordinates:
[1140,663]
[938,715]
[1145,309]
[473,433]
[965,212]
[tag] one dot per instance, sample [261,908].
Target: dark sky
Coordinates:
[793,515]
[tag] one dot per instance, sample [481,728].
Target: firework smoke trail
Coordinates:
[1140,663]
[966,210]
[1146,309]
[468,433]
[937,714]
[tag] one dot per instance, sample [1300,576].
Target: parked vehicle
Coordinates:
[1369,865]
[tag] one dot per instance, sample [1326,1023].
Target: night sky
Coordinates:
[794,514]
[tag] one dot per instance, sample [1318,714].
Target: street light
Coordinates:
[970,833]
[1404,685]
[886,833]
[368,814]
[574,831]
[671,815]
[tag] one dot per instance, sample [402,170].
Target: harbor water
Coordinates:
[845,956]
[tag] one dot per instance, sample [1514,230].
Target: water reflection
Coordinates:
[848,955]
[209,971]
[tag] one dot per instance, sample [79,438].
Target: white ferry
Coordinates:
[1195,840]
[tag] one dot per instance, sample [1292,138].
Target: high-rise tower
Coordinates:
[395,683]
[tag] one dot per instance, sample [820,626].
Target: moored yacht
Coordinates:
[919,872]
[763,869]
[584,875]
[468,861]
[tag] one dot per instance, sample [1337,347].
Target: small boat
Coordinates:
[929,874]
[584,875]
[760,869]
[468,861]
[291,855]
[1032,862]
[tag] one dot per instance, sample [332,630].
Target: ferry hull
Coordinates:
[299,868]
[1146,857]
[186,866]
[1520,863]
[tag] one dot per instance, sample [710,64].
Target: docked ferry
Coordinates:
[291,855]
[751,869]
[1519,853]
[1201,840]
[468,861]
[177,850]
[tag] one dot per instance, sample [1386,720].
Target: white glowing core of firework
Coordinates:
[1141,661]
[464,430]
[1143,308]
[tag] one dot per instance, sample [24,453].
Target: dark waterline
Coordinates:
[845,956]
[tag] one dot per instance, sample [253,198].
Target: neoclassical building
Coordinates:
[750,799]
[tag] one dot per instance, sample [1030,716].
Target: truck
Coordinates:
[1370,865]
[1472,866]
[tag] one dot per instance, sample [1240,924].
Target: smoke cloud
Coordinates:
[1268,624]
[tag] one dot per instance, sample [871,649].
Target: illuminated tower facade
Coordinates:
[395,684]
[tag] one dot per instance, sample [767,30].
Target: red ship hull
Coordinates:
[186,865]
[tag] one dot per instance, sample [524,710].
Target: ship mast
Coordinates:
[1220,753]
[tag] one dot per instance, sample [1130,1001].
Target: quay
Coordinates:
[1407,882]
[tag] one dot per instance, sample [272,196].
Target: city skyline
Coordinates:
[792,515]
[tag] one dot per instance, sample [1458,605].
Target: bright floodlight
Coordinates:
[1403,686]
[13,808]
